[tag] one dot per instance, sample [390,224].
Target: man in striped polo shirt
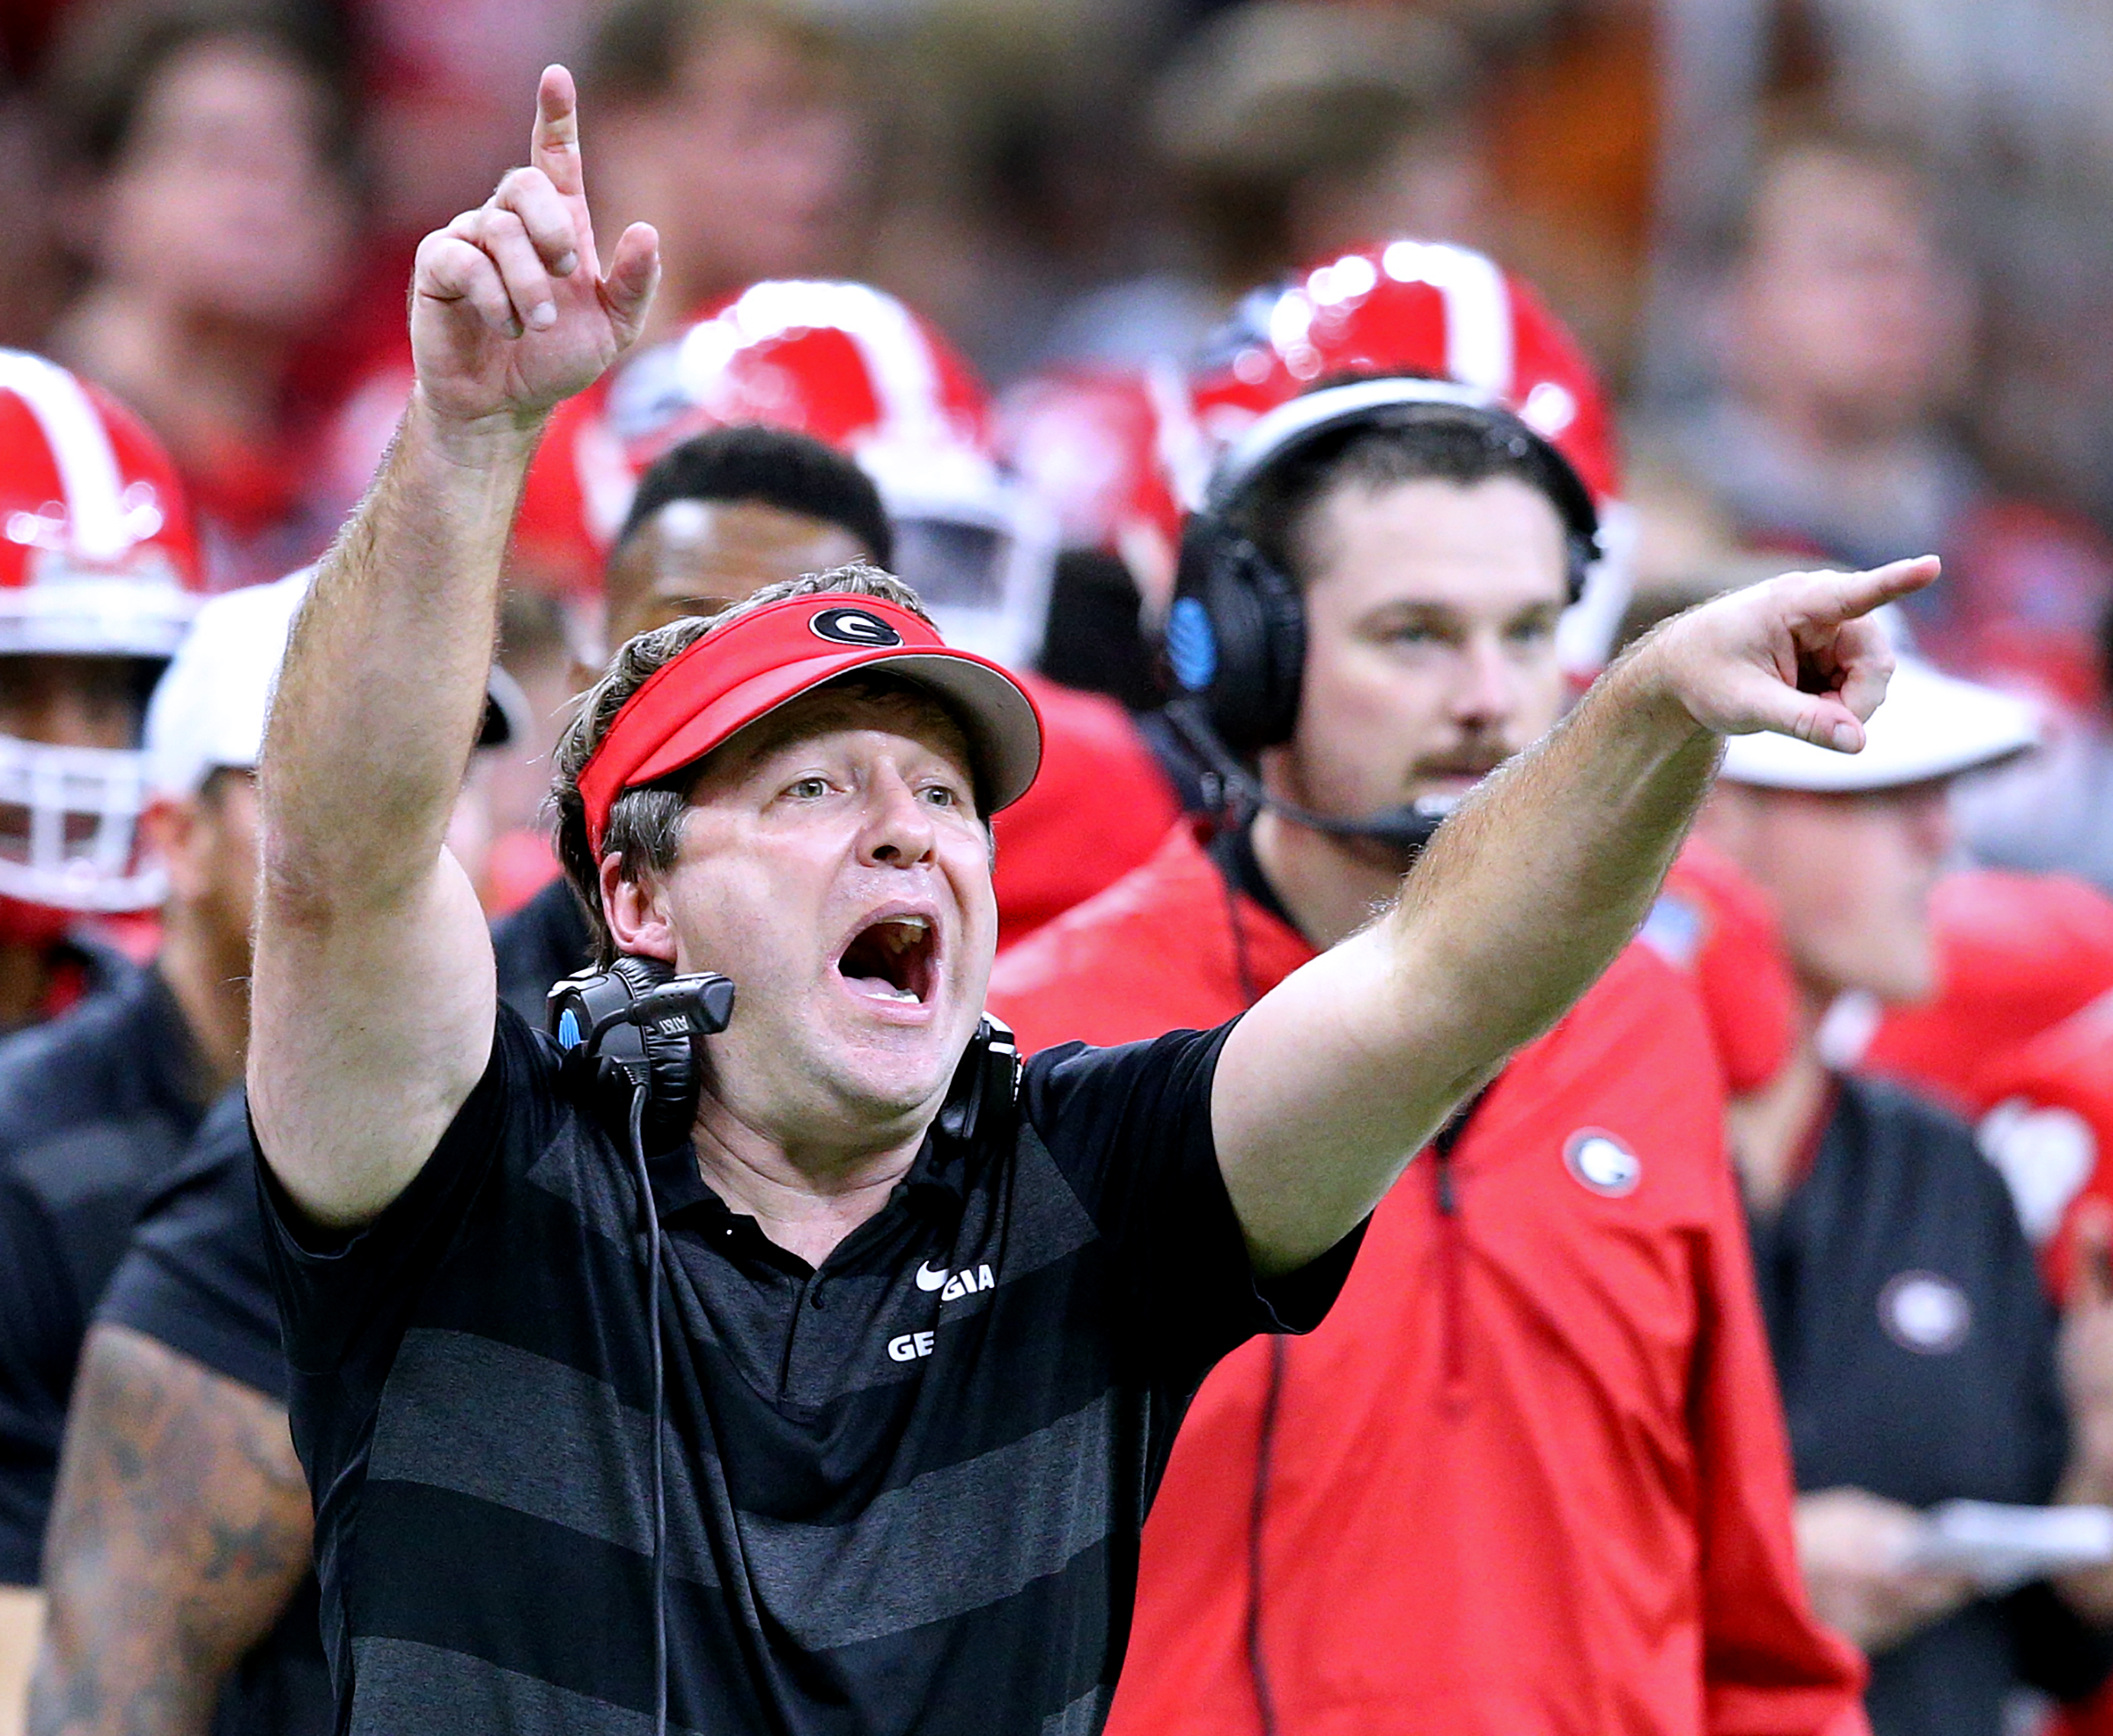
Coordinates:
[919,1339]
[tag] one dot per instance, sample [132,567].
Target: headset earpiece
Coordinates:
[637,1024]
[985,1092]
[1236,636]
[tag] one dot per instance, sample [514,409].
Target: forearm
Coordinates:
[1526,896]
[384,681]
[1346,1067]
[179,1531]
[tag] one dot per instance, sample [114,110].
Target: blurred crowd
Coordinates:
[985,292]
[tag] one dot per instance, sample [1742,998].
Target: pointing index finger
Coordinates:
[1856,593]
[554,146]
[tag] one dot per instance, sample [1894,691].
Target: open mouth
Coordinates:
[893,959]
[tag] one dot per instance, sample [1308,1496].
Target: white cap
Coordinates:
[1929,725]
[210,706]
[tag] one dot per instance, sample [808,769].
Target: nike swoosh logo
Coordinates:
[928,1279]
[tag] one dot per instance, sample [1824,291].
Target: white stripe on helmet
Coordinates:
[898,359]
[1478,309]
[80,447]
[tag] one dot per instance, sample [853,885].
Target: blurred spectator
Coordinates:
[440,105]
[215,211]
[1295,128]
[2016,954]
[2013,96]
[1850,339]
[737,129]
[1917,1359]
[31,262]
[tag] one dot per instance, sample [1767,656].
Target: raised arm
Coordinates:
[373,997]
[1344,1070]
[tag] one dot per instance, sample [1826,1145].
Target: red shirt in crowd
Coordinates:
[1530,1475]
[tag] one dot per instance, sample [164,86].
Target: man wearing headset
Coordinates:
[1530,1476]
[842,1412]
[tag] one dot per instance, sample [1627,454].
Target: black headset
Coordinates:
[1236,633]
[628,1037]
[635,1025]
[632,1027]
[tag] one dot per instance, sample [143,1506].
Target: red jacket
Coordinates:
[1531,1475]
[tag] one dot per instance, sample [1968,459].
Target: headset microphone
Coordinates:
[1408,828]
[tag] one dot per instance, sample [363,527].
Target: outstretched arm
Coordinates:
[179,1531]
[373,997]
[1345,1070]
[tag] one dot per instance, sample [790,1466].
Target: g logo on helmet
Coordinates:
[853,627]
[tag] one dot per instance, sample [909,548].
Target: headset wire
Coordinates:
[650,1226]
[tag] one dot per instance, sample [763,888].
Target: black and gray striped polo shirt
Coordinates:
[905,1489]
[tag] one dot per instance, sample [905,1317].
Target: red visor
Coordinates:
[758,661]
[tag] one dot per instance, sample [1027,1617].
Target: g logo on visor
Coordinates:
[853,627]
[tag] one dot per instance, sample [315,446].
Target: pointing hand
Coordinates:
[1798,655]
[511,310]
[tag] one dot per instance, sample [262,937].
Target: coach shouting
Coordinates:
[921,1351]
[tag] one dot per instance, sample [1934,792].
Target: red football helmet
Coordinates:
[852,366]
[96,560]
[1115,453]
[1427,314]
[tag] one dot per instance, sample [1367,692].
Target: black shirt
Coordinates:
[95,1108]
[1915,1350]
[197,1280]
[546,938]
[904,1490]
